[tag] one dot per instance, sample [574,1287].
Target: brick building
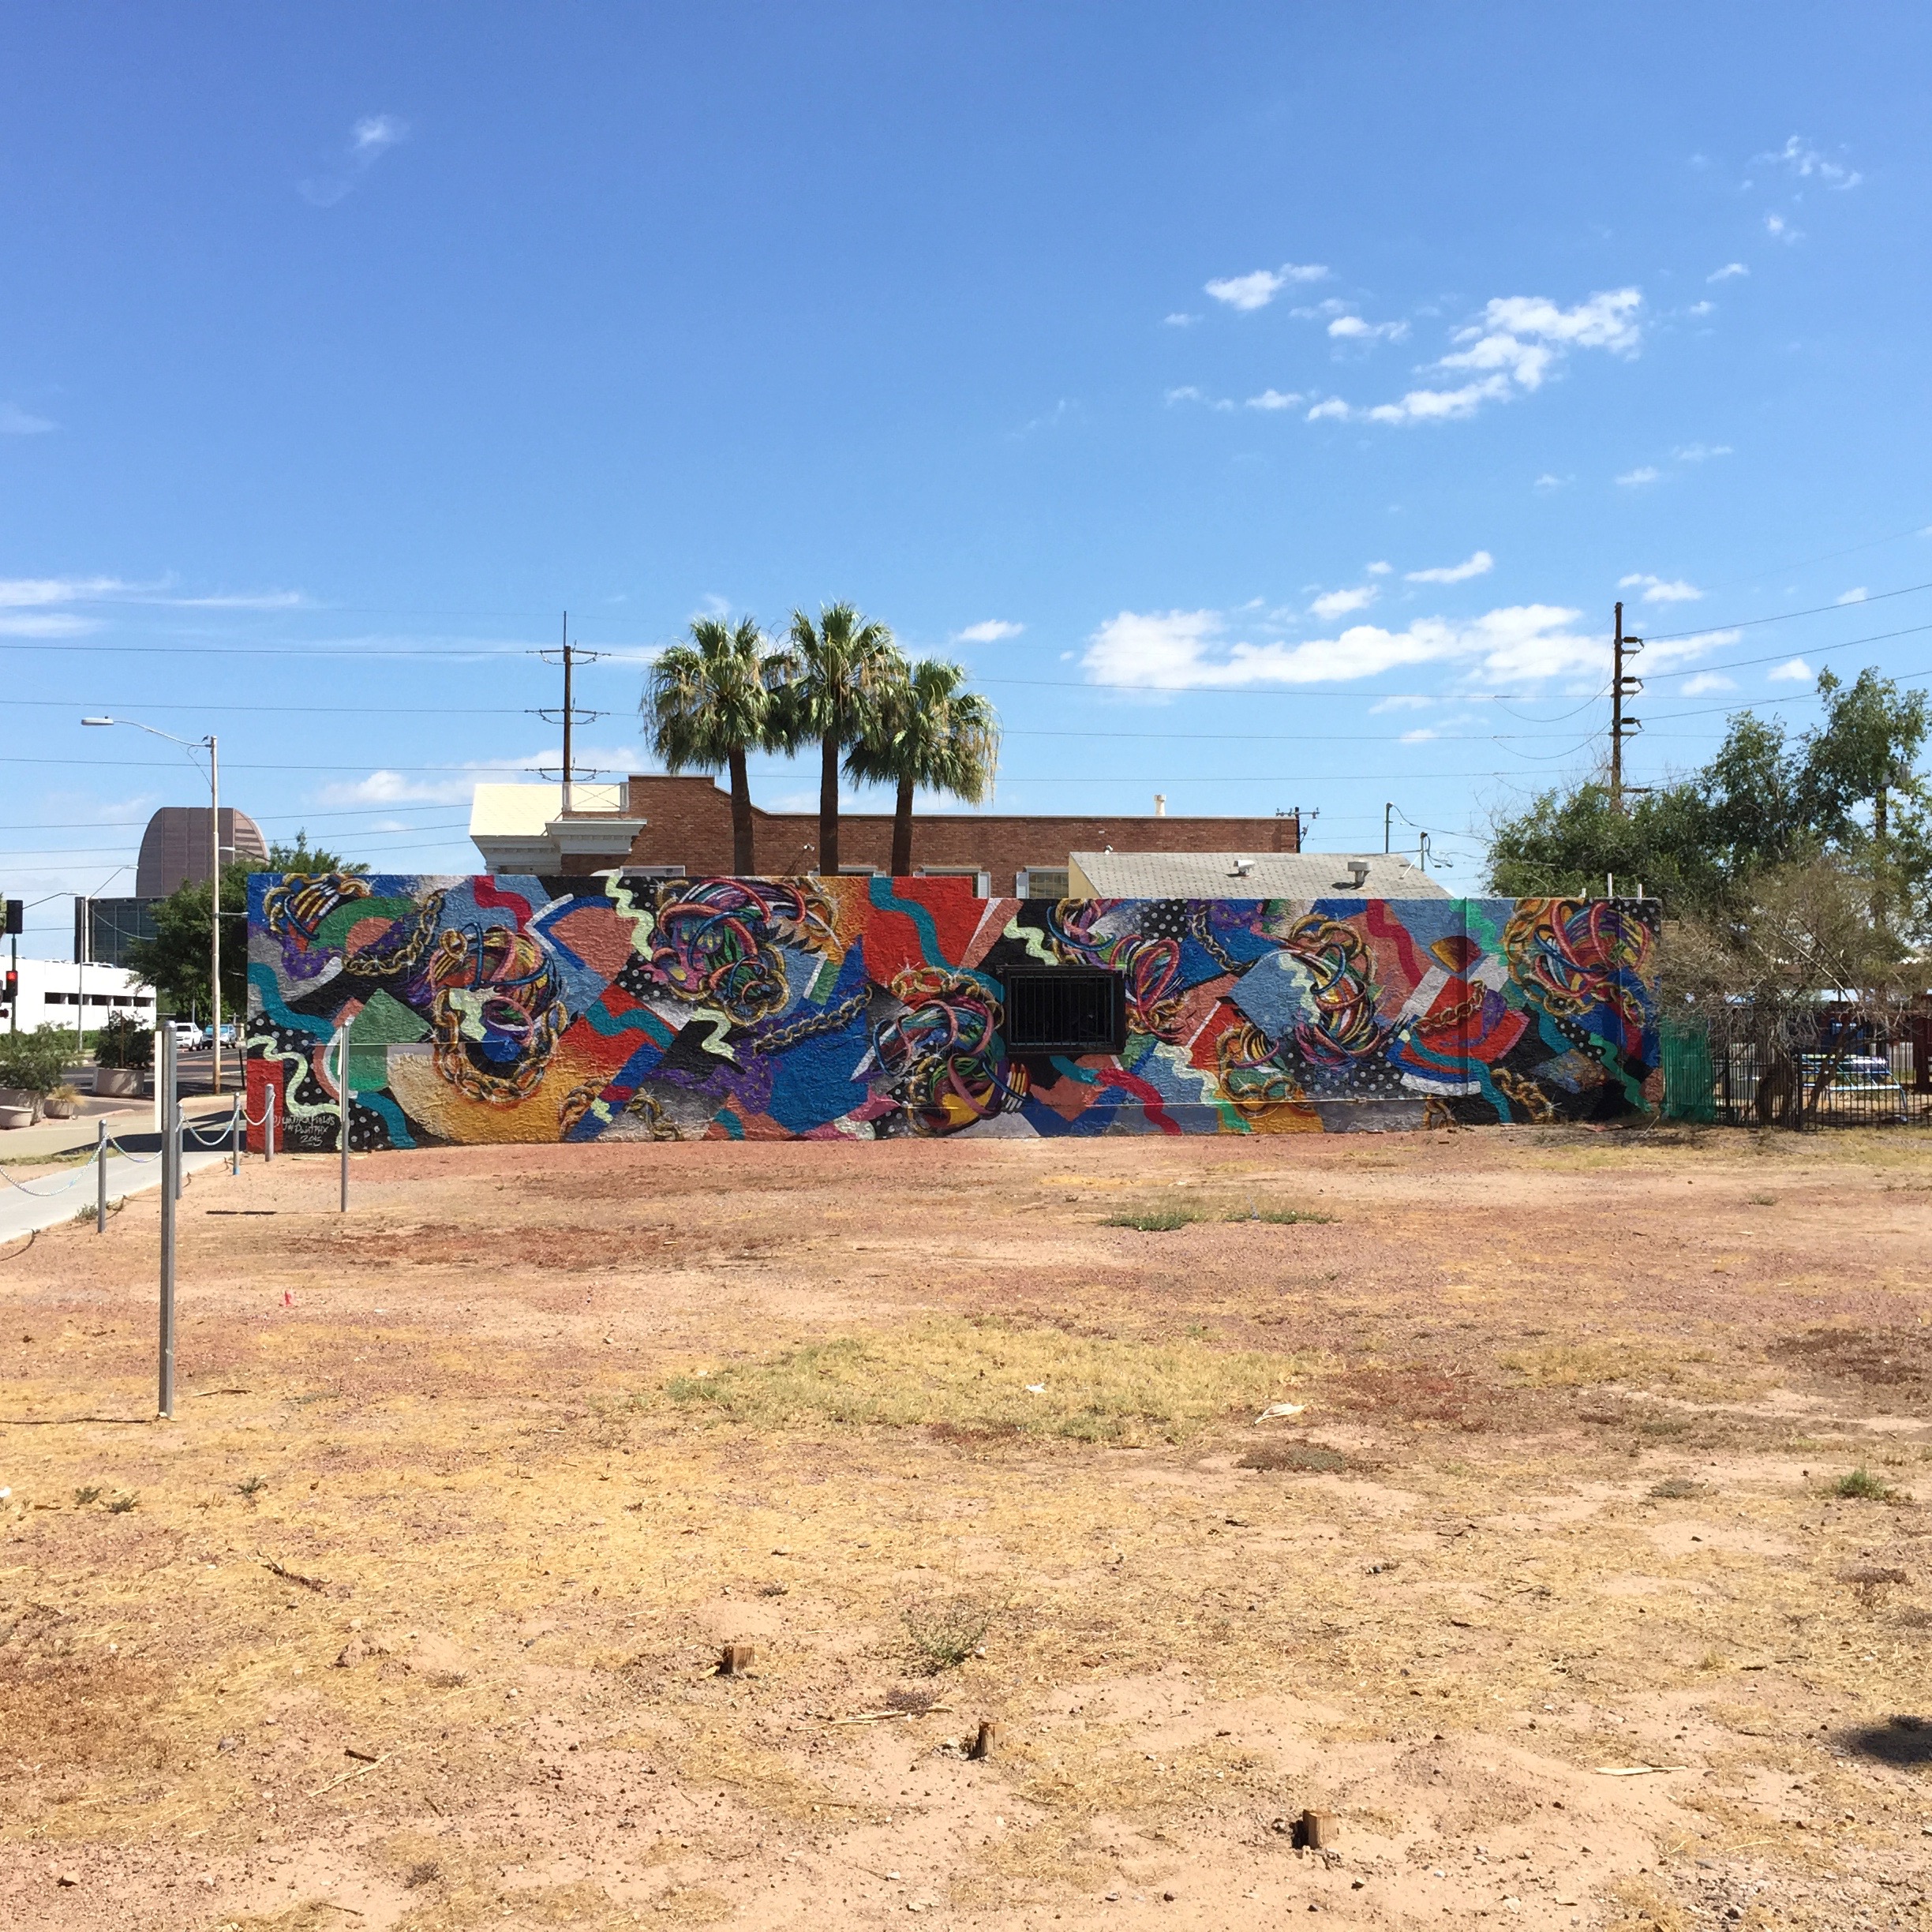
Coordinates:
[682,827]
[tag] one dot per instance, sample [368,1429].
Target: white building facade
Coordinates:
[84,997]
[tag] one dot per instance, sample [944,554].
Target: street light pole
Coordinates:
[208,745]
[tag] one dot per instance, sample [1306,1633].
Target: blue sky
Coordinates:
[1267,404]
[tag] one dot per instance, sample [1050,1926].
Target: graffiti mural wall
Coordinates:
[517,1008]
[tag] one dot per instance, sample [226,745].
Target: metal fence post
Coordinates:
[100,1178]
[235,1137]
[170,1177]
[342,1096]
[268,1117]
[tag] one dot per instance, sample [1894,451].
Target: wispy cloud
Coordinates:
[994,631]
[1339,603]
[1155,650]
[384,786]
[1258,289]
[45,624]
[1520,341]
[1333,408]
[1805,161]
[1381,569]
[1660,590]
[14,421]
[1704,682]
[1794,671]
[1700,452]
[1636,479]
[22,593]
[1275,399]
[369,140]
[1402,701]
[1726,271]
[1857,595]
[1353,328]
[1179,320]
[1548,481]
[1479,565]
[1780,230]
[1188,393]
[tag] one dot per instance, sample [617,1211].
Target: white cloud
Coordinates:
[1421,736]
[1379,569]
[1179,320]
[1808,164]
[1441,405]
[1525,335]
[240,600]
[386,787]
[1402,700]
[1794,670]
[1780,230]
[22,592]
[1701,452]
[993,631]
[1339,603]
[1659,589]
[369,140]
[1353,328]
[1275,399]
[45,624]
[1705,682]
[1257,290]
[1158,650]
[1547,482]
[1701,309]
[1334,409]
[1479,565]
[1188,393]
[14,421]
[1726,271]
[1643,473]
[1856,596]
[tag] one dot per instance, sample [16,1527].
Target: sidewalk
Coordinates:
[57,1195]
[126,1120]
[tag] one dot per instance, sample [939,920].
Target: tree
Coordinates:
[927,730]
[705,704]
[833,675]
[299,858]
[175,961]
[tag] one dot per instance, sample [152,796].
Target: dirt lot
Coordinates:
[1588,1585]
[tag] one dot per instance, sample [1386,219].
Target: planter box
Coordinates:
[20,1101]
[15,1117]
[59,1109]
[118,1082]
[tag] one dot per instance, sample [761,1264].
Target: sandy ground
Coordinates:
[1546,1598]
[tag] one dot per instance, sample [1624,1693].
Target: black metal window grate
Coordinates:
[1065,1009]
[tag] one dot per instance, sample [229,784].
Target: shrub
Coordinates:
[1861,1484]
[123,1043]
[35,1062]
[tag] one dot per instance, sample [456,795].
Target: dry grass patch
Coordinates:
[989,1379]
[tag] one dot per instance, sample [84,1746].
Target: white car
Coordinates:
[189,1038]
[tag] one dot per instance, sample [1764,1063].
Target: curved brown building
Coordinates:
[174,848]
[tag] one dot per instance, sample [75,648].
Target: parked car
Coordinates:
[1861,1086]
[188,1037]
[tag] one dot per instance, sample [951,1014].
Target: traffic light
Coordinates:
[16,916]
[11,995]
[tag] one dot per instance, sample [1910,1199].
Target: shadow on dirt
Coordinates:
[1898,1741]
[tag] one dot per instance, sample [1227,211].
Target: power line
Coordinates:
[1750,624]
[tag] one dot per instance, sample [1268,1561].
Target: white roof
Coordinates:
[525,810]
[1251,875]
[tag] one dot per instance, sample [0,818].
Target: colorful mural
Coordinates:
[520,1009]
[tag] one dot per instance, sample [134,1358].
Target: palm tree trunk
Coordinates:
[902,832]
[828,806]
[742,861]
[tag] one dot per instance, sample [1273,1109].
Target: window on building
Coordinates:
[982,882]
[1042,883]
[1065,1009]
[860,871]
[652,872]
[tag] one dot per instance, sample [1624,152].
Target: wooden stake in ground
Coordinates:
[735,1659]
[986,1743]
[1317,1830]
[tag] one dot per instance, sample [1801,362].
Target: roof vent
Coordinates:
[1358,872]
[1242,868]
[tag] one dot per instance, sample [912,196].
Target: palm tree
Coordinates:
[705,703]
[928,731]
[835,672]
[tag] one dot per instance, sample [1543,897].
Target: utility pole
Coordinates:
[1388,822]
[1622,686]
[570,657]
[215,882]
